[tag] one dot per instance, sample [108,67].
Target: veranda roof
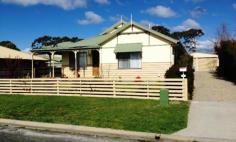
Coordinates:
[130,47]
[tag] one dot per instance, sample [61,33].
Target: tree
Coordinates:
[189,37]
[49,40]
[161,29]
[223,33]
[9,44]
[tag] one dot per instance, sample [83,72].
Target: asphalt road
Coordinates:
[14,134]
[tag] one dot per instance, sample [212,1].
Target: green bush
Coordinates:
[182,59]
[226,51]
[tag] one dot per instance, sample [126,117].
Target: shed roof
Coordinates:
[203,55]
[7,53]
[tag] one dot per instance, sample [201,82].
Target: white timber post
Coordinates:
[114,87]
[58,89]
[52,63]
[147,89]
[32,65]
[31,86]
[185,91]
[76,70]
[80,88]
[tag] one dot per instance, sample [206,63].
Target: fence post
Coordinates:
[31,86]
[10,86]
[185,89]
[147,89]
[114,88]
[58,91]
[80,88]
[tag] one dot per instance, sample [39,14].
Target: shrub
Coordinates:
[226,51]
[182,59]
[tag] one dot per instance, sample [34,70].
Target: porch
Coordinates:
[75,62]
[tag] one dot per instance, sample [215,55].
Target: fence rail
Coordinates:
[146,89]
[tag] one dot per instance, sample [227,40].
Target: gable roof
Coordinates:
[113,27]
[97,41]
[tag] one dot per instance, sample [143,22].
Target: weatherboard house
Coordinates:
[125,50]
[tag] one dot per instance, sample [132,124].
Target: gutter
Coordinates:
[104,132]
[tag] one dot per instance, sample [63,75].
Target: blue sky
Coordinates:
[22,21]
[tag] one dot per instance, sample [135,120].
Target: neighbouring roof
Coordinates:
[129,47]
[203,55]
[7,53]
[97,41]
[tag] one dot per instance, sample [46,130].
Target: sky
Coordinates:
[22,21]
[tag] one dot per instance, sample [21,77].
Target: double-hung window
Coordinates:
[131,60]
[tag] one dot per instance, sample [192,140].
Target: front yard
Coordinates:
[127,114]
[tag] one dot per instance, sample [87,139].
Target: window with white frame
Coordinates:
[130,60]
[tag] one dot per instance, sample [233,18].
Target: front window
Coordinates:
[82,60]
[129,60]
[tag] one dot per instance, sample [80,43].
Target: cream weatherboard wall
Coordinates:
[157,55]
[69,72]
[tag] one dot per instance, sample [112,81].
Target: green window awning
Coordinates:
[128,47]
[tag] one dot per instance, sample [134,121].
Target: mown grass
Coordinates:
[127,114]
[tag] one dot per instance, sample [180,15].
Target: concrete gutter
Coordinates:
[105,132]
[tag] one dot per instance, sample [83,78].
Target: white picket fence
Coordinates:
[146,89]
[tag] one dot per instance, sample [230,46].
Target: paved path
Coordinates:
[213,109]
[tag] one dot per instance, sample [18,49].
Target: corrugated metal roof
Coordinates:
[129,47]
[97,41]
[203,55]
[7,53]
[113,27]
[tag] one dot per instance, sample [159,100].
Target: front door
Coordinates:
[95,62]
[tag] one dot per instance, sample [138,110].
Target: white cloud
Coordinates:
[198,11]
[161,11]
[147,23]
[234,6]
[65,4]
[91,18]
[187,24]
[102,1]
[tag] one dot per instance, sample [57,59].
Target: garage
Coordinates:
[205,61]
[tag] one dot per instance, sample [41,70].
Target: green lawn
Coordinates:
[127,114]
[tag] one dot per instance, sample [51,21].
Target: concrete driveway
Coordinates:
[213,109]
